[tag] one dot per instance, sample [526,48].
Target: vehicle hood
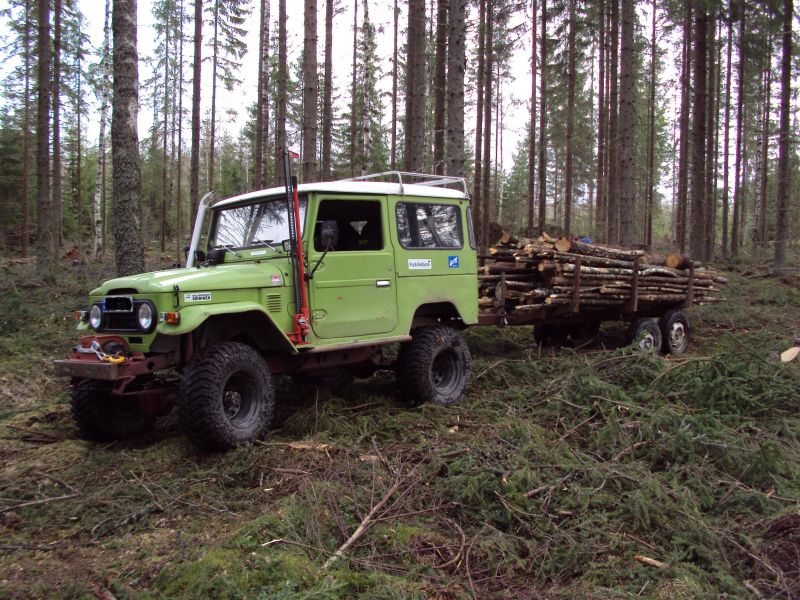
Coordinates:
[197,279]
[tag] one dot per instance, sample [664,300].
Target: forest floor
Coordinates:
[561,474]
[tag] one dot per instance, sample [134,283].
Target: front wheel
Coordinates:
[226,397]
[103,416]
[434,367]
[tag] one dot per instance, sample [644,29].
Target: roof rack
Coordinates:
[416,179]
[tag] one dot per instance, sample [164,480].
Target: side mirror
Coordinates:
[199,256]
[287,246]
[328,234]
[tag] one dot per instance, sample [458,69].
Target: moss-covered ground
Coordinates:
[559,476]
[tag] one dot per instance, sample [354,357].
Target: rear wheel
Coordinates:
[645,336]
[434,367]
[103,416]
[226,397]
[675,332]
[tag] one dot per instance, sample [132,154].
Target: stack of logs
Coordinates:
[534,274]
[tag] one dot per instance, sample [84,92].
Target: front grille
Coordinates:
[121,322]
[274,303]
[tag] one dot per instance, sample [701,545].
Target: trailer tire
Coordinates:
[645,336]
[550,335]
[434,367]
[226,397]
[675,332]
[584,333]
[104,417]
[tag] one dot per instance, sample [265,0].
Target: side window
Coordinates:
[471,229]
[358,222]
[429,225]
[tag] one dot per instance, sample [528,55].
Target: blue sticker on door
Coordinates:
[452,262]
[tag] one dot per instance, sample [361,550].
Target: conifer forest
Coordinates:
[579,469]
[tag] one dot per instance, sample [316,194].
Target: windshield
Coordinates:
[258,224]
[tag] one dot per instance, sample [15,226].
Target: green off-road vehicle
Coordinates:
[315,280]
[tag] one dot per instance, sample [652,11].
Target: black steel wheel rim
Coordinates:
[446,372]
[239,400]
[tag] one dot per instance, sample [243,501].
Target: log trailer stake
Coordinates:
[301,316]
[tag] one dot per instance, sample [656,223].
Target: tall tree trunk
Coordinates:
[683,152]
[476,194]
[568,175]
[353,92]
[782,203]
[627,113]
[487,124]
[262,96]
[194,169]
[439,91]
[178,196]
[712,176]
[651,139]
[280,123]
[761,220]
[737,190]
[164,155]
[56,149]
[310,93]
[129,250]
[726,145]
[26,134]
[612,203]
[78,151]
[415,87]
[212,140]
[532,128]
[599,225]
[366,91]
[698,229]
[44,226]
[543,123]
[327,97]
[395,74]
[456,58]
[709,204]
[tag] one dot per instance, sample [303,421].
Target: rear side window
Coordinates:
[429,225]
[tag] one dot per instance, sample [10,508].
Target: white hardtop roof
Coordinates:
[352,187]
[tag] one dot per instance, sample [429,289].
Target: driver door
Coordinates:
[353,290]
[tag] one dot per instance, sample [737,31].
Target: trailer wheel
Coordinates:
[104,417]
[225,398]
[434,367]
[583,333]
[645,336]
[550,335]
[675,332]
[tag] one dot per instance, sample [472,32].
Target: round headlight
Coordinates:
[95,316]
[145,316]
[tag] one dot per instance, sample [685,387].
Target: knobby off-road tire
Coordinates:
[645,336]
[103,417]
[434,367]
[675,332]
[226,397]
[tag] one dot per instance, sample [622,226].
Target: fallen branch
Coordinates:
[650,562]
[362,528]
[37,502]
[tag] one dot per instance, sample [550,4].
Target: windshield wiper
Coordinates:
[228,248]
[267,243]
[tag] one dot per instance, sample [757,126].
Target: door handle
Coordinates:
[383,283]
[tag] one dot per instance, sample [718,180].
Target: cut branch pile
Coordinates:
[523,275]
